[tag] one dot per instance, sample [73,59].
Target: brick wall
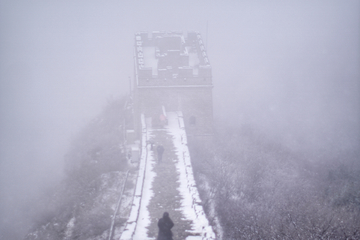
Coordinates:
[194,102]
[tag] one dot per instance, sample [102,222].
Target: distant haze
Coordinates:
[289,69]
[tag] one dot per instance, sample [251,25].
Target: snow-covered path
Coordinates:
[189,217]
[190,203]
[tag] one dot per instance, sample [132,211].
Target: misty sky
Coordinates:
[287,68]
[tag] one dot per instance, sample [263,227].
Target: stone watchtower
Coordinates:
[173,73]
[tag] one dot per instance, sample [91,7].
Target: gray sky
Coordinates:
[288,68]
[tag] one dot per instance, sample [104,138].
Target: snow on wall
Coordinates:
[139,216]
[191,203]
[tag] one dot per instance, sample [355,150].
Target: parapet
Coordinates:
[170,59]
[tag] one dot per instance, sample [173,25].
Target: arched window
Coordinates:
[192,121]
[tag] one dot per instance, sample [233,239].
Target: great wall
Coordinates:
[171,103]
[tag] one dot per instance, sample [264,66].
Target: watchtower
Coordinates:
[172,72]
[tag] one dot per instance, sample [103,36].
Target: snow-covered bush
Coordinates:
[263,190]
[95,169]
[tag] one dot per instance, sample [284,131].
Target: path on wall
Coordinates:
[166,186]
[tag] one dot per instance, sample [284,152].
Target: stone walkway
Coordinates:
[166,186]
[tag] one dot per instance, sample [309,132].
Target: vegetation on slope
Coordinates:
[259,189]
[82,206]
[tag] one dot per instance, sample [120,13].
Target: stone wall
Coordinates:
[194,102]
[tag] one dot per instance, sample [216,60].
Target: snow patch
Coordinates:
[69,228]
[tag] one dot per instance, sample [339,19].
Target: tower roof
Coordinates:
[171,58]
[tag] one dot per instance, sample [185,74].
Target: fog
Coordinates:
[289,69]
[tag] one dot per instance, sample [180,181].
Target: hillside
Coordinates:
[250,186]
[260,189]
[96,169]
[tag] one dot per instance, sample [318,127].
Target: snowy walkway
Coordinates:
[167,186]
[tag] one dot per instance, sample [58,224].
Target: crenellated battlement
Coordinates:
[170,59]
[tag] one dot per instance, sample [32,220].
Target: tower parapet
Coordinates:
[170,58]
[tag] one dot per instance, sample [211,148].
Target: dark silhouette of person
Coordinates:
[165,224]
[160,150]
